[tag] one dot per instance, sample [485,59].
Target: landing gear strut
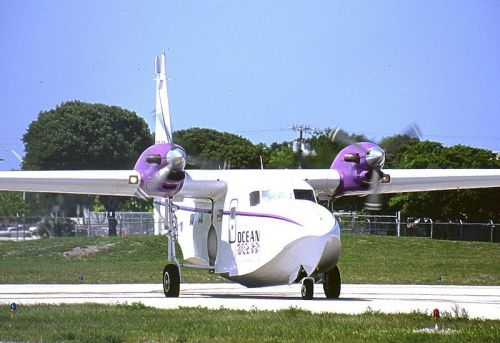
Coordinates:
[332,283]
[172,271]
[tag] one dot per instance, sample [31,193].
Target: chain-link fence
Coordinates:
[142,223]
[90,225]
[128,224]
[423,227]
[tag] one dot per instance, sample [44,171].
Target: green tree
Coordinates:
[11,203]
[280,156]
[470,205]
[78,135]
[212,149]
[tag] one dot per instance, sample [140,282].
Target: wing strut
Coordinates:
[171,223]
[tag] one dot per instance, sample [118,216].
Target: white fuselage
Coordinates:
[259,232]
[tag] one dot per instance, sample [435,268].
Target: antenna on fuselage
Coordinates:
[163,126]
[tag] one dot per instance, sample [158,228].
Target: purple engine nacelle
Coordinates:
[355,164]
[161,167]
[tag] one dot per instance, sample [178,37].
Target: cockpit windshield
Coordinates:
[256,197]
[304,194]
[275,194]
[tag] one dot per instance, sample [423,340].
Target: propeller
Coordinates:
[196,162]
[375,158]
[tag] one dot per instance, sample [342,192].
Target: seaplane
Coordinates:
[259,227]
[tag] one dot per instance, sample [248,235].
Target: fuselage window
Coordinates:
[304,194]
[254,198]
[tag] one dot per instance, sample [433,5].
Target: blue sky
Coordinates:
[255,68]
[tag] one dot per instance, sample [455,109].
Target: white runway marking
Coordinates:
[477,301]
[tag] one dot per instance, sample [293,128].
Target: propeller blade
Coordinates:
[374,201]
[412,131]
[196,162]
[192,160]
[338,135]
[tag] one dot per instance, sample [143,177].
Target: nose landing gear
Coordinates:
[331,285]
[307,289]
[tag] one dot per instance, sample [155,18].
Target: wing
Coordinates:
[416,180]
[212,183]
[100,182]
[328,182]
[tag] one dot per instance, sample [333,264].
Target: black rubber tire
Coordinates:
[212,245]
[171,281]
[332,283]
[307,289]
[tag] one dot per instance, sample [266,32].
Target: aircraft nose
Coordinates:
[321,222]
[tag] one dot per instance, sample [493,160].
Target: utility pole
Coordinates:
[301,129]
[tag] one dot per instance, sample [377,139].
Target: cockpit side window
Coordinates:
[304,194]
[254,198]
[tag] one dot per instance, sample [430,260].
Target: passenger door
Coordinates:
[233,206]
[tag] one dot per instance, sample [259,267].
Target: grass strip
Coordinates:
[138,323]
[364,259]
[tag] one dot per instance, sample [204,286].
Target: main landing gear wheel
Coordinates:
[171,281]
[332,283]
[307,289]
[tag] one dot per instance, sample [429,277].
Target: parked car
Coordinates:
[16,231]
[48,227]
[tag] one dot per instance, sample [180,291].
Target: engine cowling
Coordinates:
[356,165]
[162,169]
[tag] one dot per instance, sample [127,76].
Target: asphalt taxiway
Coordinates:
[476,301]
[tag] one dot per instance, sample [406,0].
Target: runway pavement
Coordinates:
[477,301]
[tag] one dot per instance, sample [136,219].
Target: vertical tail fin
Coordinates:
[163,132]
[163,126]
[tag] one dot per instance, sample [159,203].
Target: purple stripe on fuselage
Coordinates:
[264,215]
[190,209]
[238,213]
